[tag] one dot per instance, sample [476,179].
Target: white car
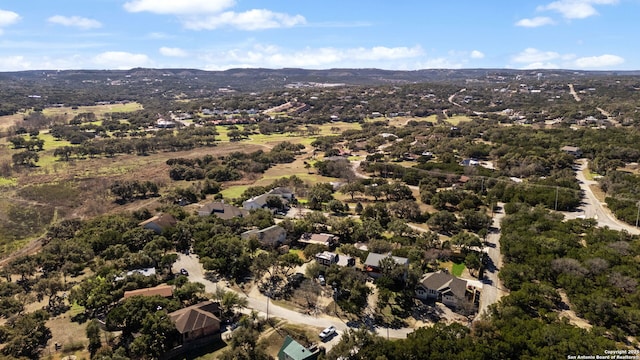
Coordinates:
[328,332]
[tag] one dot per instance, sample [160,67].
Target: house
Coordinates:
[197,321]
[328,240]
[159,223]
[144,272]
[165,124]
[572,150]
[222,210]
[372,264]
[163,290]
[470,162]
[260,201]
[273,236]
[443,287]
[293,350]
[328,258]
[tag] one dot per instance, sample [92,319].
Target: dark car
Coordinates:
[184,272]
[296,279]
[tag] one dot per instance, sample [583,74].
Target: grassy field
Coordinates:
[457,119]
[99,110]
[8,121]
[8,181]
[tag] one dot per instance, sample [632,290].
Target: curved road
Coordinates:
[258,302]
[592,208]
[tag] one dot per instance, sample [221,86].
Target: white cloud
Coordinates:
[256,19]
[602,61]
[14,63]
[536,59]
[159,36]
[8,18]
[179,7]
[531,55]
[384,53]
[318,58]
[439,63]
[541,65]
[476,54]
[121,60]
[75,21]
[535,22]
[576,9]
[173,52]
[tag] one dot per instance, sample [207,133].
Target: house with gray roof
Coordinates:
[372,264]
[159,223]
[273,236]
[572,150]
[222,210]
[260,201]
[328,240]
[443,287]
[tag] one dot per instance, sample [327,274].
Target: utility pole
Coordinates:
[268,297]
[335,298]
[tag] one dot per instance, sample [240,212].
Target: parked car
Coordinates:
[328,332]
[321,280]
[296,279]
[184,272]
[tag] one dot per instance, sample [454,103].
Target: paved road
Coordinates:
[258,302]
[492,288]
[592,208]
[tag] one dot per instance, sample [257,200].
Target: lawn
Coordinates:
[234,192]
[457,269]
[457,119]
[338,127]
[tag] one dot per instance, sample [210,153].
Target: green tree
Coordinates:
[93,333]
[442,221]
[229,301]
[25,335]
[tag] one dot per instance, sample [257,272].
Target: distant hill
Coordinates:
[262,79]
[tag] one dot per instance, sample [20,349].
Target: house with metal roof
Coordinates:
[293,350]
[372,263]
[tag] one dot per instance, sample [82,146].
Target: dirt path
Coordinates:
[572,91]
[568,313]
[450,99]
[31,248]
[608,115]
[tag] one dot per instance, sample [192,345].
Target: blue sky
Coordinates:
[401,34]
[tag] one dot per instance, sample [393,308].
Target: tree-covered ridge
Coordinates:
[596,267]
